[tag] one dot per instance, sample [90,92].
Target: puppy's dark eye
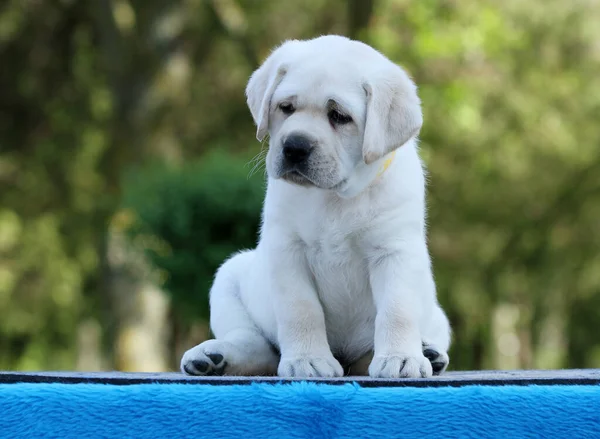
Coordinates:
[286,108]
[338,118]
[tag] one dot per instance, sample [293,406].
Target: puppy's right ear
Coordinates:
[260,89]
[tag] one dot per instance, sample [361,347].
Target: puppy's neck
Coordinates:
[386,163]
[365,175]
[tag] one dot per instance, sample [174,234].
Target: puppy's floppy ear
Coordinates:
[393,113]
[261,86]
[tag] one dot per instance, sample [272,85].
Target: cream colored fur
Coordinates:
[341,277]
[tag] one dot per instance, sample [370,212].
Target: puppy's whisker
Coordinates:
[254,169]
[257,162]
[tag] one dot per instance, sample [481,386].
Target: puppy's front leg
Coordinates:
[300,319]
[398,280]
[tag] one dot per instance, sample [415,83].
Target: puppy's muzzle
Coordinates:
[296,151]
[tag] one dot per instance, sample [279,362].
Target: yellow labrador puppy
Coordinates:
[341,279]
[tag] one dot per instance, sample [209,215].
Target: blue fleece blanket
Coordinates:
[298,410]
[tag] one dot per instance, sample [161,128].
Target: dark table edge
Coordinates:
[453,379]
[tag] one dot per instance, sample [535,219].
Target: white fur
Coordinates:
[342,270]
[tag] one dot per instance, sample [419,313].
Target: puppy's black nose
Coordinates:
[296,149]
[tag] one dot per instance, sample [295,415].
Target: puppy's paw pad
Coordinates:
[198,366]
[205,359]
[400,366]
[310,367]
[215,358]
[438,358]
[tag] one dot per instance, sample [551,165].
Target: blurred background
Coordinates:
[129,169]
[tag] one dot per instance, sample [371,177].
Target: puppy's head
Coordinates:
[334,108]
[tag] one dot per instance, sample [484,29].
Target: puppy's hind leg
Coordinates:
[436,341]
[239,347]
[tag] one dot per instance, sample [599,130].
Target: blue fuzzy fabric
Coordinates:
[298,410]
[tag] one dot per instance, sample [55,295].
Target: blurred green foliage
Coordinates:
[94,91]
[190,219]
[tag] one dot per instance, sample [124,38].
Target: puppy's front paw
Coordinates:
[400,366]
[309,367]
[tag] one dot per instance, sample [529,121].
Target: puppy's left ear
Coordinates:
[261,86]
[393,113]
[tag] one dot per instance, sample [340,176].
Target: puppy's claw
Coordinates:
[400,366]
[316,367]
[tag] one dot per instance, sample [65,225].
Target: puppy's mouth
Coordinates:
[296,177]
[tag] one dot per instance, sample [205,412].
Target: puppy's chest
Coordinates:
[335,250]
[334,244]
[338,264]
[341,278]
